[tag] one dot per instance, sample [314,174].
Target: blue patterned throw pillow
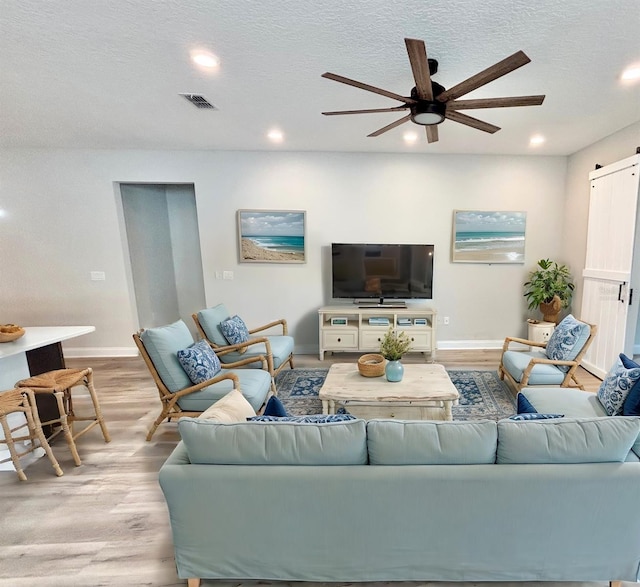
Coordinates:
[535,416]
[235,330]
[567,340]
[631,406]
[199,362]
[312,419]
[616,386]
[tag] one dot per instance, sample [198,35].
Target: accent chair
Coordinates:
[551,363]
[277,348]
[179,395]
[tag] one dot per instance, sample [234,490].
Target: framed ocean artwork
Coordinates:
[488,237]
[272,236]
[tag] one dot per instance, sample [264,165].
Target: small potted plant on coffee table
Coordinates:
[393,346]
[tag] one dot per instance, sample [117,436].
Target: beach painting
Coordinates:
[488,237]
[271,236]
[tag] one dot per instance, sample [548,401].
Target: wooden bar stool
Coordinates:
[60,383]
[23,401]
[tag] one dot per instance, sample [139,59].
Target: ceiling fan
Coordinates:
[430,104]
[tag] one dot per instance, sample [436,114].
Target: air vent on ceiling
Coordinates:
[199,101]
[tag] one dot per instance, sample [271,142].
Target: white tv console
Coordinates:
[352,332]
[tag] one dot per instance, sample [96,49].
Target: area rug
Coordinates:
[482,394]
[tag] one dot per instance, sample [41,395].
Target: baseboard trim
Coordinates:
[459,345]
[100,352]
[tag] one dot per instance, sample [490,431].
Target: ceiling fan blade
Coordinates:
[367,111]
[470,121]
[495,102]
[368,88]
[420,68]
[390,126]
[484,77]
[432,133]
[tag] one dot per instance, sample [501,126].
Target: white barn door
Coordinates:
[611,270]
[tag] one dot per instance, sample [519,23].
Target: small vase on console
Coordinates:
[394,370]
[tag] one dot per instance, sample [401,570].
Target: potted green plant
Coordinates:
[550,287]
[393,346]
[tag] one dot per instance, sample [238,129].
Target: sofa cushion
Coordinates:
[199,362]
[162,345]
[574,440]
[542,374]
[573,403]
[235,330]
[567,340]
[616,386]
[255,385]
[210,320]
[631,406]
[233,407]
[287,443]
[398,442]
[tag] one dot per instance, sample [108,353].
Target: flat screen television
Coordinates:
[394,271]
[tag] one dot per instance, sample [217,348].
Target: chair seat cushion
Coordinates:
[255,385]
[515,362]
[281,347]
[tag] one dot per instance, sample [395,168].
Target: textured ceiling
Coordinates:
[107,73]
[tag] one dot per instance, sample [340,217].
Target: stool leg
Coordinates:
[65,427]
[33,421]
[12,449]
[96,405]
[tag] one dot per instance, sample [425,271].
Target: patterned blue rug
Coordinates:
[482,394]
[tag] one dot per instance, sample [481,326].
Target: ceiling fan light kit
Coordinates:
[430,104]
[428,113]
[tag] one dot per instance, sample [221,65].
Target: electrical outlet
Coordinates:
[218,274]
[227,275]
[445,320]
[98,276]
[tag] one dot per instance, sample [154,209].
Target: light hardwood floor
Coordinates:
[105,522]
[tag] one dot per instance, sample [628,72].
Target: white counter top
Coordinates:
[39,336]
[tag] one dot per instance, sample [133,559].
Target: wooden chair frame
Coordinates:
[223,350]
[570,378]
[169,399]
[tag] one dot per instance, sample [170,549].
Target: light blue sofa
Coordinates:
[389,500]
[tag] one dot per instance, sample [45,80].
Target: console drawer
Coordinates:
[419,340]
[372,340]
[340,339]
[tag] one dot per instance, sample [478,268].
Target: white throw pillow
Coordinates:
[231,408]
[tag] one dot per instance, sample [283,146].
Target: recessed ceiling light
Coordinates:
[410,137]
[275,135]
[205,59]
[631,73]
[536,140]
[3,213]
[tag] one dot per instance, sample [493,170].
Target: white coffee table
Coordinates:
[424,385]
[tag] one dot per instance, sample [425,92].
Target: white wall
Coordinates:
[62,222]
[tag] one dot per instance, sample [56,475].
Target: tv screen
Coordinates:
[382,271]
